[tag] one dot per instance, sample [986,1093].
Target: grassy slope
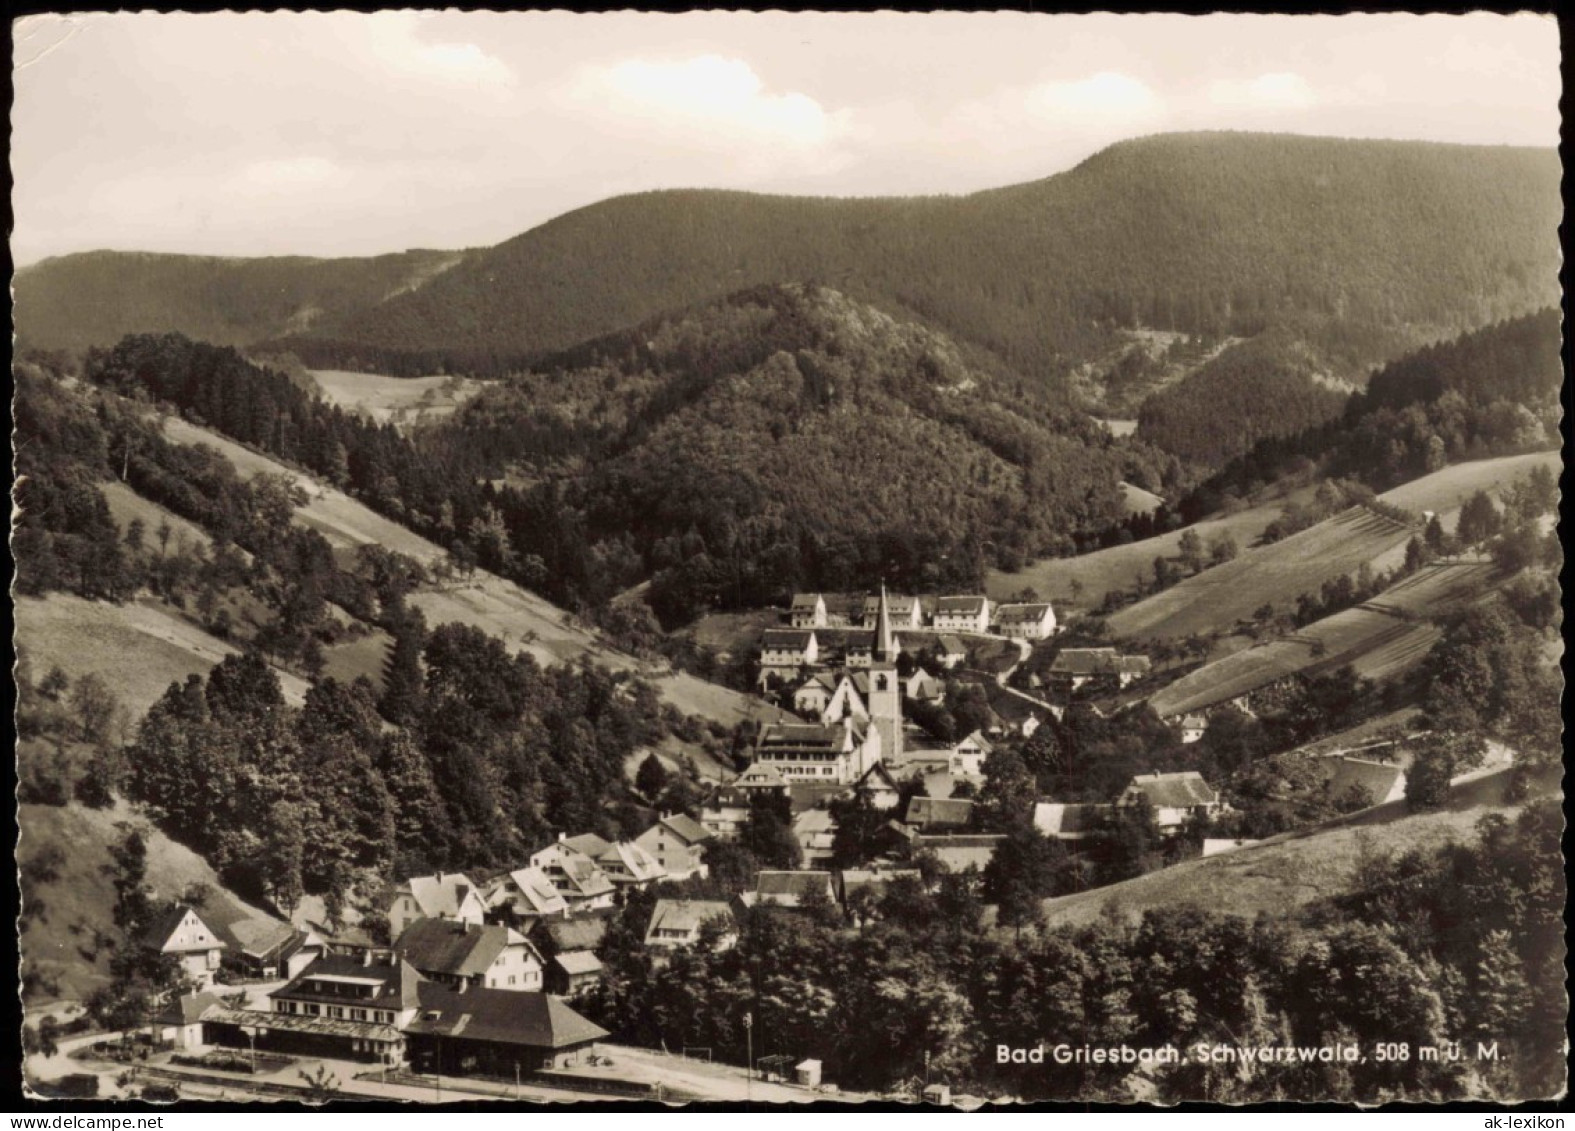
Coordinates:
[381,397]
[1380,639]
[1292,870]
[1446,490]
[1277,574]
[81,900]
[138,648]
[524,621]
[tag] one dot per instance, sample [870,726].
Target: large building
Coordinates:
[962,614]
[798,752]
[464,955]
[1026,622]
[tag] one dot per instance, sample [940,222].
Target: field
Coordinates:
[1444,491]
[1293,870]
[81,900]
[1381,638]
[125,506]
[1119,567]
[398,399]
[1138,501]
[1276,574]
[524,621]
[733,632]
[138,648]
[353,659]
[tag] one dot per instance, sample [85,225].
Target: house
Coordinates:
[1174,797]
[588,845]
[878,786]
[628,865]
[851,881]
[494,1033]
[807,611]
[788,889]
[963,614]
[443,895]
[1379,782]
[968,756]
[181,934]
[785,652]
[815,830]
[725,812]
[677,922]
[463,954]
[1015,714]
[1193,728]
[922,687]
[1025,622]
[926,813]
[577,876]
[573,972]
[263,949]
[1069,822]
[838,753]
[958,852]
[677,843]
[179,1021]
[905,612]
[814,695]
[949,651]
[1098,669]
[523,895]
[759,776]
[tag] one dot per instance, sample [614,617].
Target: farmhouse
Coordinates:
[181,934]
[1175,797]
[450,895]
[1025,622]
[963,614]
[808,611]
[677,842]
[1098,669]
[464,955]
[678,922]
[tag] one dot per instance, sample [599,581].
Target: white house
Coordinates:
[628,865]
[962,614]
[179,1022]
[444,895]
[575,873]
[785,652]
[922,687]
[950,651]
[808,611]
[878,785]
[1026,622]
[968,756]
[905,612]
[523,895]
[678,922]
[1070,822]
[1193,728]
[463,955]
[726,811]
[814,694]
[677,842]
[815,830]
[181,934]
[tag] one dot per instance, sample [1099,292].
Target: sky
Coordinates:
[341,133]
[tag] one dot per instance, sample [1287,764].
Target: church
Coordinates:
[860,726]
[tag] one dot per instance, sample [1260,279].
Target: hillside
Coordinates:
[78,903]
[95,298]
[1275,574]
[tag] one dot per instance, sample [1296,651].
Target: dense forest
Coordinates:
[97,297]
[1490,392]
[786,437]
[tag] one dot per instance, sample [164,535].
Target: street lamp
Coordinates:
[251,1036]
[749,1066]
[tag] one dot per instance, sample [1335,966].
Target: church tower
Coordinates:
[885,688]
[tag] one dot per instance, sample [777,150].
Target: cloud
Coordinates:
[1279,90]
[708,93]
[396,41]
[288,173]
[1107,96]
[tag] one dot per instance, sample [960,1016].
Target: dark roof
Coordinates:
[162,926]
[1014,614]
[806,600]
[796,884]
[502,1016]
[1083,661]
[804,795]
[801,736]
[1180,790]
[582,933]
[877,777]
[685,826]
[687,914]
[444,946]
[300,1023]
[959,604]
[185,1010]
[787,639]
[951,646]
[397,989]
[259,938]
[587,844]
[1377,778]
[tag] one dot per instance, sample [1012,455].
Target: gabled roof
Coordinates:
[791,886]
[787,639]
[759,776]
[1194,722]
[587,844]
[951,646]
[187,1009]
[1180,790]
[529,885]
[978,739]
[444,946]
[876,779]
[639,864]
[158,931]
[1133,665]
[1083,661]
[687,915]
[584,877]
[970,604]
[577,962]
[820,679]
[1056,819]
[801,736]
[808,601]
[260,938]
[397,980]
[1021,614]
[685,828]
[1377,778]
[505,1017]
[441,894]
[850,880]
[927,811]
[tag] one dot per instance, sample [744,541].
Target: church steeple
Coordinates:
[884,649]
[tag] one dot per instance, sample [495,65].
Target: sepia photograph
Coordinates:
[761,559]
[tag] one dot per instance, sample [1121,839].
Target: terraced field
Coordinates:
[1384,637]
[1276,574]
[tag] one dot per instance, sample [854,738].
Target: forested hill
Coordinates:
[1203,233]
[95,298]
[789,437]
